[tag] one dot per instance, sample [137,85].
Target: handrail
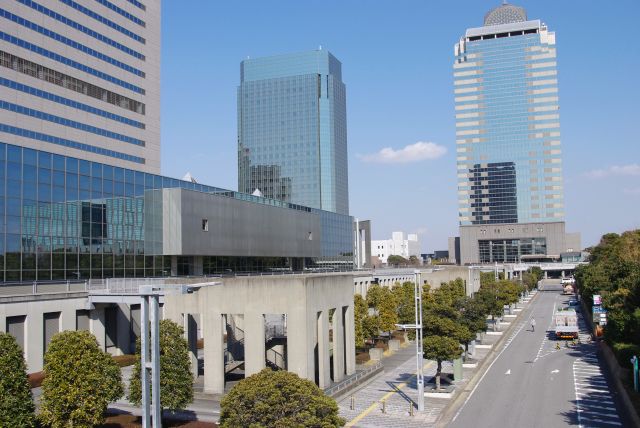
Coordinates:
[331,391]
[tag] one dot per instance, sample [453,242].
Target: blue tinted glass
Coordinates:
[29,173]
[3,148]
[96,184]
[14,171]
[118,174]
[44,175]
[14,206]
[14,154]
[58,162]
[96,169]
[58,194]
[118,188]
[139,178]
[128,176]
[30,157]
[44,192]
[29,190]
[58,178]
[72,180]
[44,160]
[72,193]
[13,188]
[107,186]
[85,167]
[72,165]
[107,172]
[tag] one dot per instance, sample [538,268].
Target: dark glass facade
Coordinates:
[494,193]
[63,218]
[510,250]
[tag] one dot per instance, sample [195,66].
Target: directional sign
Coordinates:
[597,299]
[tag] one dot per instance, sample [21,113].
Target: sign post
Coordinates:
[634,363]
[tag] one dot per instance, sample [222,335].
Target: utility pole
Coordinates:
[150,357]
[419,350]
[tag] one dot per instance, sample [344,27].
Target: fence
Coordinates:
[345,384]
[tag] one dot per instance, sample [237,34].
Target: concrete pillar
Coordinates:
[350,340]
[254,353]
[97,325]
[562,274]
[338,345]
[190,333]
[546,274]
[123,341]
[213,352]
[174,265]
[34,339]
[324,374]
[197,266]
[299,349]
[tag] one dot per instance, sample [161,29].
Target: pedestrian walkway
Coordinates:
[396,386]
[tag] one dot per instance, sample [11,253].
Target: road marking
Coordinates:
[594,404]
[555,371]
[508,372]
[487,371]
[387,395]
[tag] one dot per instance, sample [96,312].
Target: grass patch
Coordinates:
[125,360]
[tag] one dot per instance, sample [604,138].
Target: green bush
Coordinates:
[16,402]
[278,399]
[80,380]
[624,352]
[176,380]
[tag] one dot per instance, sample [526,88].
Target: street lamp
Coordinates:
[417,289]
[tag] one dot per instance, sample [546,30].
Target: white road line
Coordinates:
[592,389]
[602,421]
[485,373]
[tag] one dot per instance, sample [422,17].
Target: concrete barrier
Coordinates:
[375,354]
[394,345]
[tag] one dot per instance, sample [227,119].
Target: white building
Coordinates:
[396,246]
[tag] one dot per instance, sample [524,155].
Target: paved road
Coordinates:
[533,384]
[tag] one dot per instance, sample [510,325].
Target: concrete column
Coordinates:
[350,340]
[197,265]
[546,274]
[338,345]
[174,265]
[190,333]
[96,325]
[123,341]
[299,350]
[254,353]
[563,274]
[34,339]
[324,374]
[213,352]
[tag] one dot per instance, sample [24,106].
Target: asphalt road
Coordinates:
[533,384]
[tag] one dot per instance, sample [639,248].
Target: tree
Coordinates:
[405,298]
[395,260]
[278,399]
[387,310]
[440,348]
[16,402]
[359,314]
[176,380]
[80,380]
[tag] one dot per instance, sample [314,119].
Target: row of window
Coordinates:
[64,60]
[122,12]
[70,123]
[68,143]
[71,83]
[103,20]
[137,4]
[65,40]
[86,30]
[70,103]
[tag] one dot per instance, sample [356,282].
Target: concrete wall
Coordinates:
[306,300]
[470,235]
[236,228]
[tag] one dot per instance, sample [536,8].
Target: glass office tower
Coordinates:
[292,130]
[508,135]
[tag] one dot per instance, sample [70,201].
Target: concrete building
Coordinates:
[397,245]
[82,80]
[509,163]
[292,130]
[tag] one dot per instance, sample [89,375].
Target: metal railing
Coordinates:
[335,389]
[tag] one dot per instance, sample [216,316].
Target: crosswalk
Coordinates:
[594,405]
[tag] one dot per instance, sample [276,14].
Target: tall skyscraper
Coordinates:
[292,130]
[82,79]
[509,162]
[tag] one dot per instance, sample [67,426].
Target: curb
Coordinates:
[447,412]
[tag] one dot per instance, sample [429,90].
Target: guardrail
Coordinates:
[335,389]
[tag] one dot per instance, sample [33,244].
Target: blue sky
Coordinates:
[397,65]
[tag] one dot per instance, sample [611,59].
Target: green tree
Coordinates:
[440,348]
[359,314]
[278,399]
[395,260]
[405,298]
[80,380]
[176,380]
[16,402]
[387,310]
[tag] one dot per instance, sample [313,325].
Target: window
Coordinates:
[205,225]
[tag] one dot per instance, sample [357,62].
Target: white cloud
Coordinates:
[421,230]
[411,153]
[632,169]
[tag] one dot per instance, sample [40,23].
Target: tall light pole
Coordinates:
[419,351]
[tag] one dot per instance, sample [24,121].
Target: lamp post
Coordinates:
[419,350]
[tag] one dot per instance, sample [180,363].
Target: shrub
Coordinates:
[16,403]
[278,399]
[80,380]
[176,380]
[624,352]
